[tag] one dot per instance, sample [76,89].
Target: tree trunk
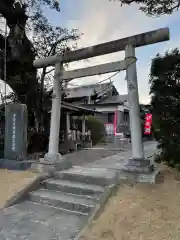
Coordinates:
[21,75]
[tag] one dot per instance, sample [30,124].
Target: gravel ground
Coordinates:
[12,182]
[141,212]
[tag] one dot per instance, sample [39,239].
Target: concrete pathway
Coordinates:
[63,204]
[33,221]
[119,160]
[98,152]
[60,208]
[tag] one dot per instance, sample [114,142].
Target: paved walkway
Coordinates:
[96,153]
[117,161]
[107,157]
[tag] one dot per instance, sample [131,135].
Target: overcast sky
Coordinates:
[102,21]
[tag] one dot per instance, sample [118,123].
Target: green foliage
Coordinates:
[165,90]
[154,7]
[97,129]
[31,35]
[157,158]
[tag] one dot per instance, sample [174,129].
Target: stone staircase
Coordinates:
[60,208]
[73,196]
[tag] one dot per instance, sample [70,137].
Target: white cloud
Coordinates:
[102,21]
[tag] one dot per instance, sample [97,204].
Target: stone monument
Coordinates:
[15,150]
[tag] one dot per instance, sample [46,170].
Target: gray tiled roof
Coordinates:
[115,99]
[87,90]
[77,108]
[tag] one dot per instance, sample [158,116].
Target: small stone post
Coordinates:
[83,128]
[68,124]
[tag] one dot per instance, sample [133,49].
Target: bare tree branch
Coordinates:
[50,71]
[154,7]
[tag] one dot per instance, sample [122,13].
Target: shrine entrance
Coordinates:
[129,64]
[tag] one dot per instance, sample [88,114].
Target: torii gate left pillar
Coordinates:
[53,154]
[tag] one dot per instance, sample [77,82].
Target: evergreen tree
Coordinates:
[165,90]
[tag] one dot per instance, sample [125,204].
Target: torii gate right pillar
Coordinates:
[137,163]
[133,99]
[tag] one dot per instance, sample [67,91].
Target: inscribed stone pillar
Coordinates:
[15,132]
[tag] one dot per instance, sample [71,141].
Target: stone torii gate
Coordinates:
[129,64]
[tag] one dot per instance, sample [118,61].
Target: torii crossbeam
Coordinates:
[129,64]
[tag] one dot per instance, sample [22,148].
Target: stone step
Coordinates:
[150,177]
[29,220]
[92,176]
[90,191]
[62,200]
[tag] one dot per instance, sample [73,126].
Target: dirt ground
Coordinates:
[12,182]
[141,212]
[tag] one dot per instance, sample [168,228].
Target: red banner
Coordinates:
[148,124]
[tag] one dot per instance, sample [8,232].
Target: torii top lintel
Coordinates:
[139,40]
